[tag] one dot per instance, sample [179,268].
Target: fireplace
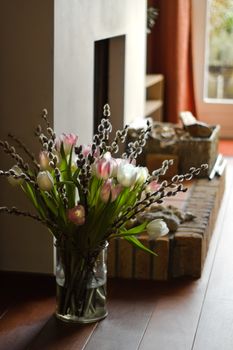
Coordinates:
[109,77]
[102,61]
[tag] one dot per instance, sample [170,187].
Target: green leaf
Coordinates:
[66,174]
[75,174]
[50,204]
[35,198]
[94,191]
[138,229]
[30,193]
[133,231]
[62,152]
[134,241]
[64,182]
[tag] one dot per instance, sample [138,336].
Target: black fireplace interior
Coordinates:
[109,77]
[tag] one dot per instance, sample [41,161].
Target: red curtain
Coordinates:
[169,53]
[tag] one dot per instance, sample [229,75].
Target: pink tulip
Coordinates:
[44,160]
[104,167]
[87,149]
[116,190]
[153,186]
[105,191]
[109,189]
[77,215]
[68,141]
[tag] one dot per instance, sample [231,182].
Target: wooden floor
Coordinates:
[180,315]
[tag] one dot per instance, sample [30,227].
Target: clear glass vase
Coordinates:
[81,285]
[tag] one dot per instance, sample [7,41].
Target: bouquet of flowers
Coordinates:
[86,196]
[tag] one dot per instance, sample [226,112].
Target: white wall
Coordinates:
[77,25]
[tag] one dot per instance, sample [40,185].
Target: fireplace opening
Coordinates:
[109,77]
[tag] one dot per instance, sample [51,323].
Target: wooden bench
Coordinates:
[180,254]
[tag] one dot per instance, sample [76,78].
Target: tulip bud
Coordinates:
[142,174]
[12,180]
[157,228]
[104,167]
[73,166]
[77,215]
[126,174]
[115,164]
[116,190]
[153,186]
[105,191]
[109,189]
[68,140]
[45,180]
[86,150]
[44,160]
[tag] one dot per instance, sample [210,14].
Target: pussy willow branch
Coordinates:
[175,183]
[61,187]
[100,145]
[22,176]
[48,144]
[84,165]
[155,177]
[161,171]
[44,116]
[15,211]
[101,139]
[145,203]
[26,149]
[152,198]
[50,131]
[104,129]
[12,152]
[119,137]
[135,148]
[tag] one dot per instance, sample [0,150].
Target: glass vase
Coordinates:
[81,285]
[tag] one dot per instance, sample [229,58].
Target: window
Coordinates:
[212,30]
[219,58]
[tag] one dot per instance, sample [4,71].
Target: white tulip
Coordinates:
[45,180]
[142,174]
[126,174]
[12,180]
[157,228]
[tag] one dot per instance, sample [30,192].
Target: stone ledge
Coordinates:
[180,254]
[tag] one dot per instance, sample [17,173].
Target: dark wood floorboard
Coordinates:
[61,336]
[180,311]
[143,315]
[215,329]
[28,307]
[130,309]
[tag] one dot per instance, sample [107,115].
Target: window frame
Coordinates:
[211,111]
